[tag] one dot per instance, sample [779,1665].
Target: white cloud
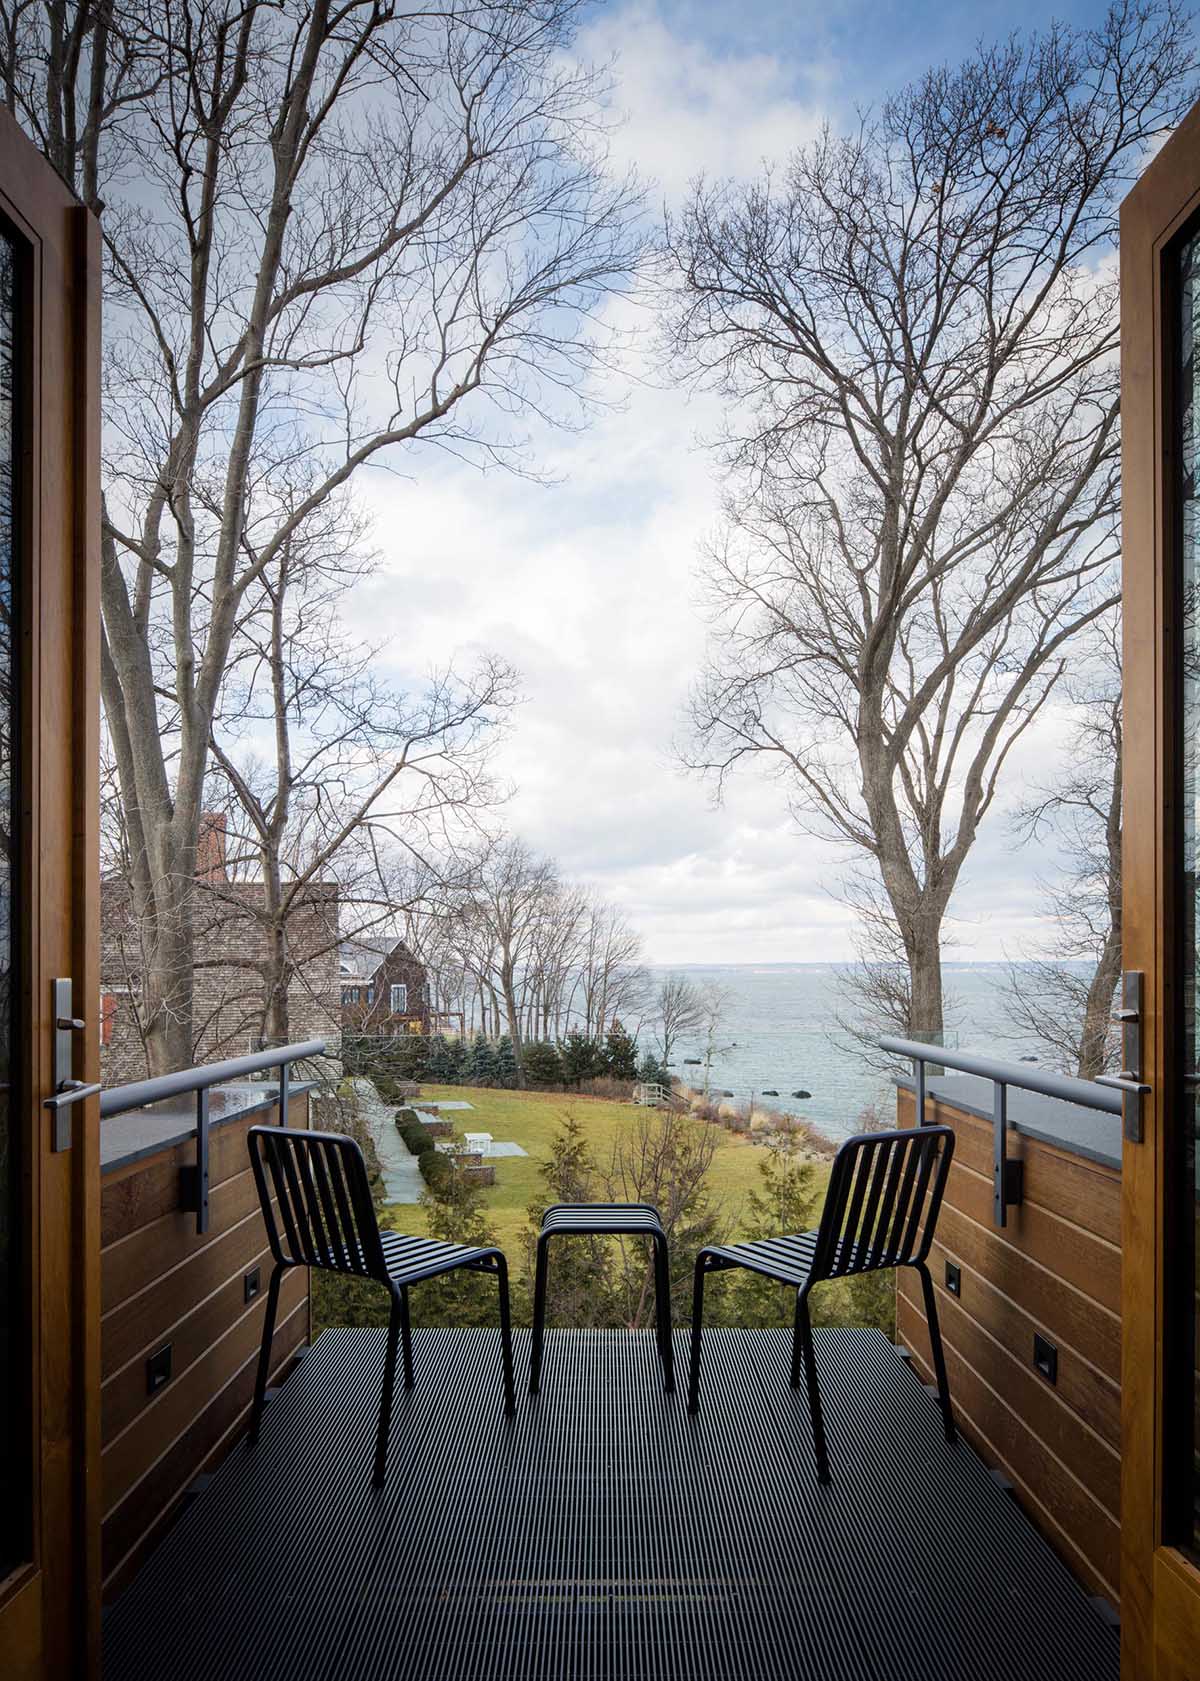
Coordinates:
[589,589]
[687,109]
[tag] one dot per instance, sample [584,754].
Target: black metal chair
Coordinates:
[881,1208]
[604,1219]
[328,1218]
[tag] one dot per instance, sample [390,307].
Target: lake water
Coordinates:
[782,1024]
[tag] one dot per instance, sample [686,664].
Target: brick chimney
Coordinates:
[210,847]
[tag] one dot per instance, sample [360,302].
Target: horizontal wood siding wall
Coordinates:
[161,1282]
[1055,1270]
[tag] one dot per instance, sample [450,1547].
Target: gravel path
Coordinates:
[401,1175]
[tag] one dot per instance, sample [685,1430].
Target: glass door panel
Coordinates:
[1183,1175]
[15,1492]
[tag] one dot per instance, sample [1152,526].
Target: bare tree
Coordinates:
[679,1010]
[229,996]
[550,981]
[74,74]
[714,1009]
[435,937]
[662,1157]
[875,991]
[1065,1001]
[330,232]
[540,955]
[365,794]
[918,325]
[612,980]
[500,923]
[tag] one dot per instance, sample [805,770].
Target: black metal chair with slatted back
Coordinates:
[881,1208]
[319,1180]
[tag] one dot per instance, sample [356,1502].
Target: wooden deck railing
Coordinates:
[1030,1318]
[182,1315]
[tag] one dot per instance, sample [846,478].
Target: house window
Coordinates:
[399,998]
[349,995]
[370,995]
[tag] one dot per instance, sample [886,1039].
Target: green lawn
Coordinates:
[530,1119]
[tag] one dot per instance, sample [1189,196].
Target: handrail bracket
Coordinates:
[1008,1172]
[198,1082]
[193,1180]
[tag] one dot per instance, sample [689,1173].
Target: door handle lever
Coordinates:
[1129,1081]
[74,1091]
[60,1105]
[67,1089]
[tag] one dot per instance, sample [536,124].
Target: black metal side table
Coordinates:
[604,1219]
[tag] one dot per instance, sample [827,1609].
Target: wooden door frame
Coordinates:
[51,1604]
[1160,1587]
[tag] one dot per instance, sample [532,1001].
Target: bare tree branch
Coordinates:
[916,328]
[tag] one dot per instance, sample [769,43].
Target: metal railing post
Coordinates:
[202,1159]
[194,1187]
[999,1152]
[1008,1177]
[1105,1093]
[119,1100]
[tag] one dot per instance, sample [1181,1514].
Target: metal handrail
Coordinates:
[138,1094]
[1067,1087]
[1007,1176]
[117,1100]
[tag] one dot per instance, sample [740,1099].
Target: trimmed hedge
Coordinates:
[416,1136]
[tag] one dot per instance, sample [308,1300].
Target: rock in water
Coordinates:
[801,1093]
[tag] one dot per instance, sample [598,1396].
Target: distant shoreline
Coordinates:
[959,963]
[782,1031]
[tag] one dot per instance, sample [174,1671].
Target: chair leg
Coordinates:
[539,1316]
[406,1338]
[697,1322]
[804,1333]
[264,1353]
[662,1312]
[939,1359]
[797,1351]
[510,1399]
[395,1319]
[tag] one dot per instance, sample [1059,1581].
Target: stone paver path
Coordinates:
[401,1176]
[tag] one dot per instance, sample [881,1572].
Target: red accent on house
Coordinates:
[210,847]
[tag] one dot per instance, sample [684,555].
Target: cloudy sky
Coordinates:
[588,585]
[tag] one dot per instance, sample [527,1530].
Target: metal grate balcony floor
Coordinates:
[602,1535]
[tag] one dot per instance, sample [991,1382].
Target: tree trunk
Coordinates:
[276,1016]
[926,1011]
[512,1010]
[167,985]
[1097,1017]
[277,970]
